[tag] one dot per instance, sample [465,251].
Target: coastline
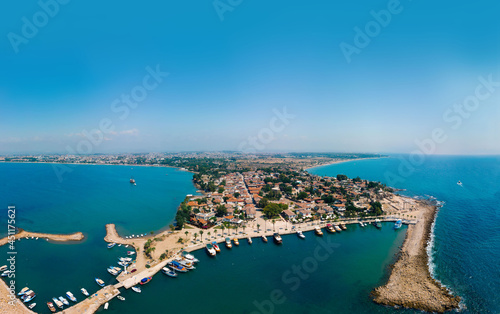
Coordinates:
[342,161]
[77,236]
[410,283]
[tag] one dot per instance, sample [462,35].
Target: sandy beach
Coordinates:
[410,283]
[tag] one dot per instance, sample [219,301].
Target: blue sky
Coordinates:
[226,78]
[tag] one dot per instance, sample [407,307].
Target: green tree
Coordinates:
[272,210]
[221,211]
[263,202]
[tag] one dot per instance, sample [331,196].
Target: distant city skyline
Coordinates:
[368,77]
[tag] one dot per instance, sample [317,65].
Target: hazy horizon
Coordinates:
[371,76]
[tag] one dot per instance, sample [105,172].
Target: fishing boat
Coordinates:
[236,241]
[32,305]
[301,235]
[3,268]
[343,227]
[210,250]
[136,289]
[30,295]
[177,267]
[51,306]
[112,271]
[125,259]
[216,246]
[110,245]
[169,272]
[130,253]
[84,291]
[277,238]
[58,303]
[189,256]
[63,300]
[99,282]
[318,231]
[106,306]
[120,298]
[398,224]
[337,228]
[330,228]
[377,224]
[228,243]
[249,240]
[145,280]
[186,263]
[23,291]
[264,239]
[5,273]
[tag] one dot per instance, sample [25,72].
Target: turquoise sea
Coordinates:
[466,249]
[300,276]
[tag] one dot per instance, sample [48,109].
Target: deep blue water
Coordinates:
[466,246]
[466,251]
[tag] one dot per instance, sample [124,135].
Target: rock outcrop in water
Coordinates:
[410,284]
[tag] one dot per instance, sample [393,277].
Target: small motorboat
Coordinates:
[318,231]
[145,280]
[110,245]
[5,273]
[136,289]
[249,240]
[398,224]
[84,291]
[216,246]
[210,250]
[330,228]
[189,256]
[120,298]
[58,303]
[235,240]
[343,227]
[63,300]
[3,268]
[460,183]
[264,239]
[70,296]
[228,243]
[30,295]
[301,235]
[130,252]
[99,282]
[51,306]
[377,224]
[169,272]
[23,291]
[277,238]
[106,306]
[32,305]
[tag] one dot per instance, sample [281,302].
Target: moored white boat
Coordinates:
[398,224]
[136,289]
[277,238]
[169,272]
[30,295]
[177,267]
[106,306]
[249,240]
[189,256]
[301,235]
[58,303]
[210,250]
[84,291]
[32,305]
[110,245]
[216,246]
[99,282]
[3,268]
[120,298]
[23,291]
[264,239]
[51,306]
[236,242]
[228,243]
[63,300]
[318,231]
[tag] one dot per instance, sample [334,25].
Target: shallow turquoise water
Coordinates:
[92,196]
[467,232]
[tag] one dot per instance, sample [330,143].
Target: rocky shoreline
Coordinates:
[410,284]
